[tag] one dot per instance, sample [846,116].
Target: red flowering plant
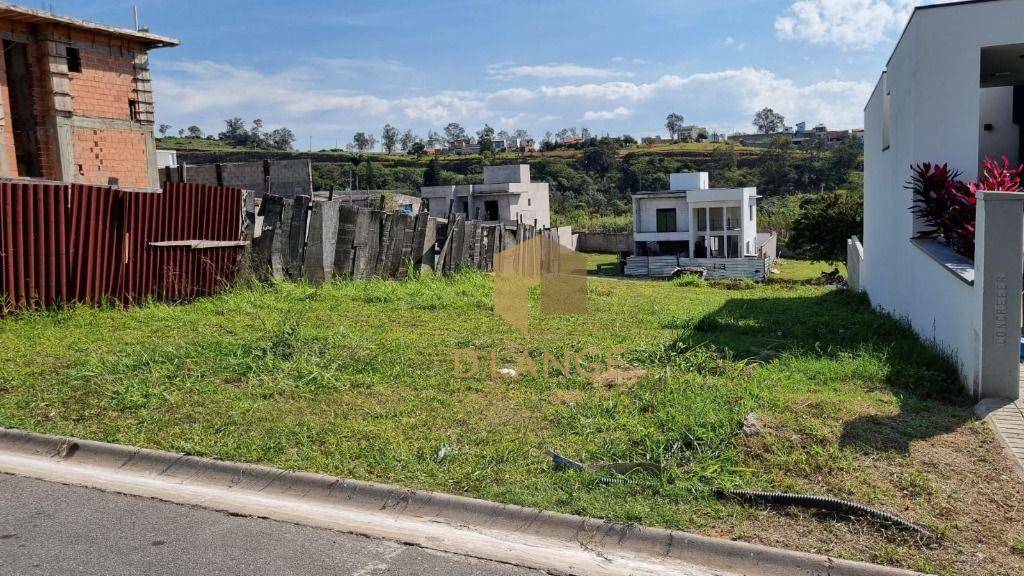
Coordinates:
[944,205]
[998,177]
[948,207]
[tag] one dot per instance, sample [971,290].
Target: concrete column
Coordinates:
[60,124]
[997,288]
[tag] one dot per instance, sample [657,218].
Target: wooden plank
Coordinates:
[366,256]
[199,244]
[279,242]
[418,239]
[458,245]
[409,240]
[429,254]
[344,256]
[297,237]
[397,244]
[384,245]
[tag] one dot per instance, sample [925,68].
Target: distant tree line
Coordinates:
[236,134]
[393,139]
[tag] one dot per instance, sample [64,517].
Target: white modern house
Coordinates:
[952,92]
[506,196]
[693,220]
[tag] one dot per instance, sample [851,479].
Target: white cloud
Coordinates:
[848,24]
[731,42]
[346,65]
[205,93]
[718,96]
[507,70]
[611,90]
[620,112]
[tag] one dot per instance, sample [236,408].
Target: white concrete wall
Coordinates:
[646,217]
[854,261]
[518,173]
[749,222]
[935,100]
[1002,139]
[688,181]
[530,200]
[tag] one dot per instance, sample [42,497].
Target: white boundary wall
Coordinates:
[928,107]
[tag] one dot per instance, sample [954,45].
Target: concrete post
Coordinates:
[997,288]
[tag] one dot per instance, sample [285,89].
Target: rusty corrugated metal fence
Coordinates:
[66,243]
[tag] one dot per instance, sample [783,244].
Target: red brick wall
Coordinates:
[102,90]
[102,154]
[104,86]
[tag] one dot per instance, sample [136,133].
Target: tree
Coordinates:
[389,138]
[363,141]
[486,146]
[235,132]
[256,134]
[406,141]
[674,125]
[825,222]
[432,175]
[485,138]
[452,132]
[164,128]
[434,139]
[601,156]
[775,166]
[281,139]
[723,157]
[195,132]
[768,121]
[417,148]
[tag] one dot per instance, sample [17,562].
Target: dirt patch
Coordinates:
[959,484]
[619,379]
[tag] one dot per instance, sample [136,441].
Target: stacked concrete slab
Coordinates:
[317,241]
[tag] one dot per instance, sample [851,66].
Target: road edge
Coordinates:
[274,493]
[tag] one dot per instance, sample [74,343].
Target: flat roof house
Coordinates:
[507,195]
[77,102]
[694,220]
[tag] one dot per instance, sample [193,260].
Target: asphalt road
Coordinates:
[54,529]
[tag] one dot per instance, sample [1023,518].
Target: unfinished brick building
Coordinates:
[77,102]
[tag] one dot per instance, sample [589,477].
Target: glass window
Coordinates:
[666,219]
[700,249]
[717,218]
[702,219]
[734,246]
[716,247]
[732,218]
[886,112]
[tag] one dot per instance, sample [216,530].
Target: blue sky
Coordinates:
[327,69]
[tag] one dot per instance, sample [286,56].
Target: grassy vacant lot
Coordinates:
[357,379]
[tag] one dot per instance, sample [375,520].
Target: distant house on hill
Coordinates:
[693,133]
[507,195]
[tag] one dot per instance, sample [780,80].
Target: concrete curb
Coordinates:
[502,532]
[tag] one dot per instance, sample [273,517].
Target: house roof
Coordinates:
[15,13]
[929,7]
